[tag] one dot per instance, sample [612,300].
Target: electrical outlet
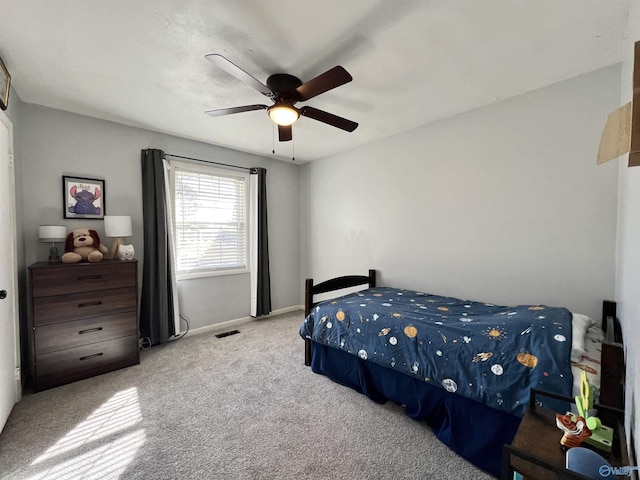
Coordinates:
[17,373]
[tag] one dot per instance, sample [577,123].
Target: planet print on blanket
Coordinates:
[495,333]
[410,331]
[477,349]
[449,385]
[528,360]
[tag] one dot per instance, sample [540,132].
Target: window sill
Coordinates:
[218,273]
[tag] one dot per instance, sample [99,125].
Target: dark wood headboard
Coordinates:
[334,284]
[612,379]
[337,283]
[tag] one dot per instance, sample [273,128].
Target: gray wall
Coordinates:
[52,143]
[628,254]
[502,204]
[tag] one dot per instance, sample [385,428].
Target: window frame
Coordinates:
[216,172]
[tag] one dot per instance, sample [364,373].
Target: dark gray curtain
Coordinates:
[156,303]
[263,278]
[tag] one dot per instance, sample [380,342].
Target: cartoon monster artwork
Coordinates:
[84,201]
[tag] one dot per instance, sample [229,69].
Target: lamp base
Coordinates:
[53,255]
[114,248]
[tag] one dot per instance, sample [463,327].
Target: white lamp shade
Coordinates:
[52,233]
[117,226]
[283,115]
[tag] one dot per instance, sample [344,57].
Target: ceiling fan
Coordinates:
[285,91]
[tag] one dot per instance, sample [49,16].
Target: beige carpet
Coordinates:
[240,407]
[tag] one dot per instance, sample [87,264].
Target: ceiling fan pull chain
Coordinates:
[273,139]
[293,150]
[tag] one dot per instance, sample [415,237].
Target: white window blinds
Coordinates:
[210,220]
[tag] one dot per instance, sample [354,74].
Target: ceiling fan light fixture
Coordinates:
[283,114]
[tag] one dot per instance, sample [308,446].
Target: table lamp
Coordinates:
[117,226]
[52,234]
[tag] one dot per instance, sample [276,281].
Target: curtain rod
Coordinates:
[208,161]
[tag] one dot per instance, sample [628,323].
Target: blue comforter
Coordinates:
[489,353]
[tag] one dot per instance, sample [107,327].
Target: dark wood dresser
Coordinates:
[83,320]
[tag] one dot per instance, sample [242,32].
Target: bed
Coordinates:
[464,367]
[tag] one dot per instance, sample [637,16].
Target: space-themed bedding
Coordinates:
[488,353]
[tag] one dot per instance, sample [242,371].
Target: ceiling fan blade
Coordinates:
[229,111]
[232,69]
[329,118]
[330,79]
[285,133]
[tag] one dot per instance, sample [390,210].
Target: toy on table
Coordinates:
[575,429]
[83,244]
[583,427]
[126,252]
[579,428]
[601,435]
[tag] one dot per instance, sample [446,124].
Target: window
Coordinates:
[210,220]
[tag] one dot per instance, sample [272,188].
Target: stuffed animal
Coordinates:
[83,244]
[125,252]
[575,429]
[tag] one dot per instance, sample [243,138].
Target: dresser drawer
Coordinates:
[47,310]
[85,361]
[82,277]
[58,336]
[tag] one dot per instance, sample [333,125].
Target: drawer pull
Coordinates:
[92,356]
[89,277]
[90,304]
[89,330]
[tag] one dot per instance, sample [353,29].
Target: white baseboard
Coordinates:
[231,324]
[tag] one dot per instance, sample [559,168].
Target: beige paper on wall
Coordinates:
[621,133]
[616,136]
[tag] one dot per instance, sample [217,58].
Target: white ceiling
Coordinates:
[141,62]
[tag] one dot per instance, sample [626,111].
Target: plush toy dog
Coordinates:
[83,244]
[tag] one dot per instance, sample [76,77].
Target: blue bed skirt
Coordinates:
[472,430]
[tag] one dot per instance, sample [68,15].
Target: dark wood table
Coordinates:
[536,452]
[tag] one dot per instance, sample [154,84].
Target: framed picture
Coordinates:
[5,82]
[83,197]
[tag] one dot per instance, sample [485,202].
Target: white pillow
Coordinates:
[579,324]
